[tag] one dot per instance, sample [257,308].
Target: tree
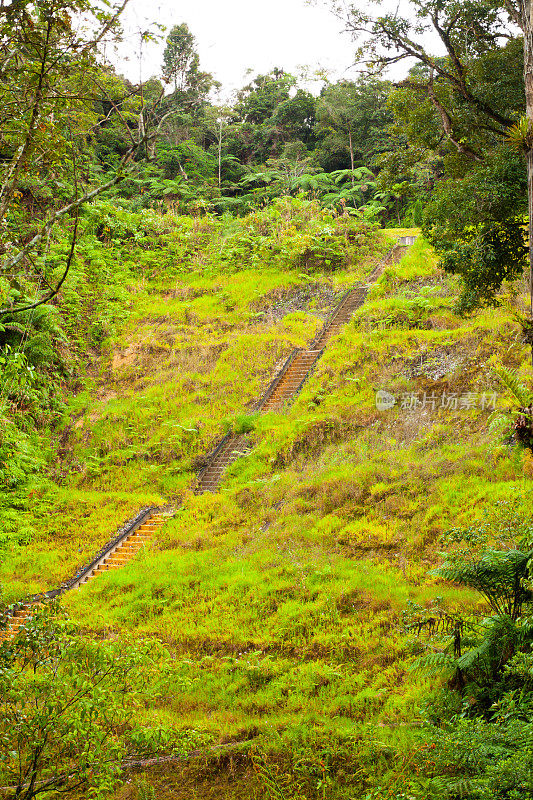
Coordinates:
[261,133]
[476,225]
[181,66]
[521,13]
[217,120]
[465,30]
[258,100]
[65,703]
[180,59]
[296,117]
[354,116]
[468,33]
[51,81]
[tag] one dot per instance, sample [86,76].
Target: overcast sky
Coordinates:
[236,35]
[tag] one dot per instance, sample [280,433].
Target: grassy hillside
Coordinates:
[198,313]
[282,598]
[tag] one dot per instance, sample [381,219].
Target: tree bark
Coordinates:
[220,156]
[351,155]
[527,28]
[530,227]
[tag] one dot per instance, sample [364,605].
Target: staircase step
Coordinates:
[287,384]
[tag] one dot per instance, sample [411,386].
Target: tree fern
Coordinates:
[434,663]
[502,636]
[498,575]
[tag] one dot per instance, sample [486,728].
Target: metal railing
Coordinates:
[73,582]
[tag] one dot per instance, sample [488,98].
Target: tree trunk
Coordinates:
[351,154]
[220,156]
[527,27]
[530,232]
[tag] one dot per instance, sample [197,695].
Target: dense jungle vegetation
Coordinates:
[351,615]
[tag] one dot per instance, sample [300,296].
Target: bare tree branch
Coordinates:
[4,311]
[146,138]
[396,37]
[447,125]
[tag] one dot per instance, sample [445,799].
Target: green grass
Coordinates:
[203,330]
[281,596]
[71,529]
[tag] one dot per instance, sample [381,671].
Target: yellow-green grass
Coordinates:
[197,350]
[69,532]
[281,597]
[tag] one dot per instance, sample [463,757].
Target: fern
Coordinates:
[463,788]
[270,784]
[434,663]
[497,575]
[509,379]
[501,635]
[13,327]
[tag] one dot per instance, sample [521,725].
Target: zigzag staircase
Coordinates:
[283,389]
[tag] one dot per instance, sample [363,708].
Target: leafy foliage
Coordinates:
[474,224]
[522,402]
[66,703]
[483,749]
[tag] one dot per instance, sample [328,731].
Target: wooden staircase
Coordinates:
[283,389]
[230,449]
[16,620]
[292,380]
[300,367]
[288,383]
[123,551]
[127,548]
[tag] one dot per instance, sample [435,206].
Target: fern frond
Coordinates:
[463,788]
[433,663]
[509,379]
[13,327]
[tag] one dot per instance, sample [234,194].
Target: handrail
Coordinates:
[146,513]
[130,528]
[124,532]
[214,453]
[327,325]
[276,379]
[307,374]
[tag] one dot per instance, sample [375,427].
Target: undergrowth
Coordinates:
[281,597]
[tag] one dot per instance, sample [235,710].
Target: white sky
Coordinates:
[235,35]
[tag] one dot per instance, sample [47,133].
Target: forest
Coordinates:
[266,412]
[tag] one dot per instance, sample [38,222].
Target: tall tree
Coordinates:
[271,113]
[180,59]
[258,100]
[465,30]
[355,116]
[521,13]
[181,66]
